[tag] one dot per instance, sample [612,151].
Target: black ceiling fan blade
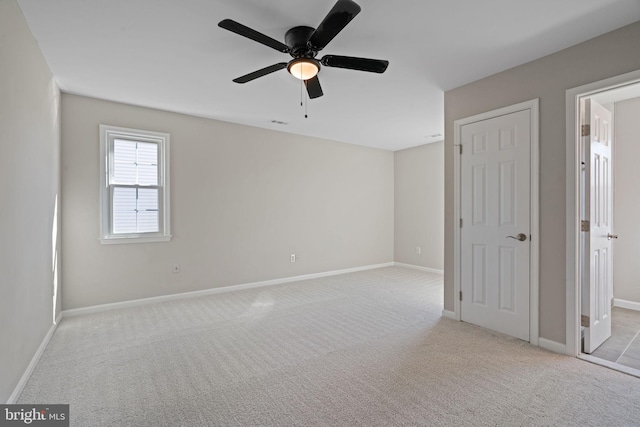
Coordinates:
[353,63]
[262,72]
[338,17]
[313,87]
[236,27]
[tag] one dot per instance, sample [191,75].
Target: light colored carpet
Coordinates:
[361,349]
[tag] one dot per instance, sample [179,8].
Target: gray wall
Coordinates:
[29,171]
[419,205]
[626,268]
[548,78]
[242,200]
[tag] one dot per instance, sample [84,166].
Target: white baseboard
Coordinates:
[449,314]
[631,305]
[417,267]
[553,346]
[34,361]
[143,301]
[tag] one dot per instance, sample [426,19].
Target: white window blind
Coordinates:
[135,207]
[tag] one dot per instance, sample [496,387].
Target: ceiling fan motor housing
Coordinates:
[297,39]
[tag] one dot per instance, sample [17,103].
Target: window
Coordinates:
[134,185]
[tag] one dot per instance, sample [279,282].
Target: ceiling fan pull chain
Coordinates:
[303,98]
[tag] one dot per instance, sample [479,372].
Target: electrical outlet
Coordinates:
[418,250]
[293,257]
[176,268]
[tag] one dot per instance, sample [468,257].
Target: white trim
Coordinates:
[533,106]
[449,314]
[143,301]
[534,272]
[611,365]
[34,361]
[630,305]
[131,239]
[457,263]
[553,346]
[572,221]
[417,267]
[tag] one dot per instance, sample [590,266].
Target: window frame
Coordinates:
[108,134]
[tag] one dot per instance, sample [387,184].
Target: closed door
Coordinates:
[598,202]
[495,228]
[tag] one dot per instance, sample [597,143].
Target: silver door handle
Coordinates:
[612,236]
[521,237]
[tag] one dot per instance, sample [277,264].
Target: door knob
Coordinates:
[521,237]
[612,236]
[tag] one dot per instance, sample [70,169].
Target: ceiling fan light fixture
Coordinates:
[303,68]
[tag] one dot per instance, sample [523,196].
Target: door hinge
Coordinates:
[585,130]
[460,148]
[460,222]
[585,321]
[460,295]
[584,225]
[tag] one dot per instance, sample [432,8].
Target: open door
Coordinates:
[596,225]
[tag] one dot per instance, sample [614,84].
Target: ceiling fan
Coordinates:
[303,44]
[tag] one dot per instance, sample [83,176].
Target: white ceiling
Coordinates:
[172,55]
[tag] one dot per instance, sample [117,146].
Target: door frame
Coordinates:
[534,257]
[574,199]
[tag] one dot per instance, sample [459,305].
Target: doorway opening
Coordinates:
[603,283]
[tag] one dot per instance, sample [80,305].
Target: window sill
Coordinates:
[133,239]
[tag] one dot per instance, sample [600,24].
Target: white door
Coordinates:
[598,272]
[495,235]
